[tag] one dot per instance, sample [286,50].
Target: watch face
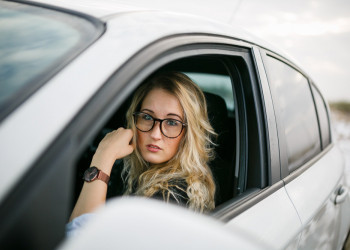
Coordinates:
[90,174]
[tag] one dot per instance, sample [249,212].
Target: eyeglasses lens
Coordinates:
[144,122]
[171,128]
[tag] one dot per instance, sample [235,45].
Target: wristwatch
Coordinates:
[93,173]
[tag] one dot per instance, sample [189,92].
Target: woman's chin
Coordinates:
[153,159]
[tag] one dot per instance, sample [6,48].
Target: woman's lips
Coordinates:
[153,148]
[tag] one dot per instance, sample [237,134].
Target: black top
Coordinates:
[178,194]
[177,187]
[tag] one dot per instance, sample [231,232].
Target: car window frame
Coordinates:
[170,49]
[324,141]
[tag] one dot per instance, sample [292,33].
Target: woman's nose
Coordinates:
[156,133]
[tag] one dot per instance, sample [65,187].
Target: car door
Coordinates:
[342,199]
[267,212]
[312,166]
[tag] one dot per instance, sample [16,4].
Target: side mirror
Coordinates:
[141,223]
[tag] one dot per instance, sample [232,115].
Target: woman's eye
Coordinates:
[172,122]
[147,117]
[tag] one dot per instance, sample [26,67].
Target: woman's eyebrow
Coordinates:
[151,111]
[175,115]
[147,110]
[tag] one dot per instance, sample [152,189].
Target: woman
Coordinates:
[166,148]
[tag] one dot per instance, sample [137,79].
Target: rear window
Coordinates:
[297,112]
[35,43]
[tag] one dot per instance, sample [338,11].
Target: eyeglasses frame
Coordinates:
[160,124]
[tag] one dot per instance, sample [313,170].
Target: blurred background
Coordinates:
[315,32]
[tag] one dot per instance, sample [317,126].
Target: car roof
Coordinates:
[108,10]
[99,9]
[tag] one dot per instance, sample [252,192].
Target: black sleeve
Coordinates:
[116,185]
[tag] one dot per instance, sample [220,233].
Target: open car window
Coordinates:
[220,81]
[218,89]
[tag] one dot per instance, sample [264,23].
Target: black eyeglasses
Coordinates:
[170,128]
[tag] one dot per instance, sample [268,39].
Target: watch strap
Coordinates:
[103,176]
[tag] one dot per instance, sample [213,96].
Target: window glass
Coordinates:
[322,116]
[297,112]
[32,42]
[215,84]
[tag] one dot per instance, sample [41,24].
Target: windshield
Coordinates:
[34,43]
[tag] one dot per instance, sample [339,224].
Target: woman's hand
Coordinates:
[115,145]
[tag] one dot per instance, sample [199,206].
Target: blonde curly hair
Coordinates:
[190,163]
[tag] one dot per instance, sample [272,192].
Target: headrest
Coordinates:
[217,112]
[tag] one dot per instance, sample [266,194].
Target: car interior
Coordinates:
[221,115]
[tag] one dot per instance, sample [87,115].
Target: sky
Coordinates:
[314,32]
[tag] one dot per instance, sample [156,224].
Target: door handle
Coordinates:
[341,195]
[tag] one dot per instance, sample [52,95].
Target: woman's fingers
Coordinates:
[118,141]
[115,145]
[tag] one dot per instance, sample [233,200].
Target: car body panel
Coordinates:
[273,148]
[315,203]
[104,8]
[100,10]
[271,217]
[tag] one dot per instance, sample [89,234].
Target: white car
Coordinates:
[67,71]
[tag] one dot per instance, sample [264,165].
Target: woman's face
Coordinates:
[154,147]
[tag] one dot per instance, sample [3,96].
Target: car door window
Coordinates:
[296,109]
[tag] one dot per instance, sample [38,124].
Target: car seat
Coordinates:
[223,164]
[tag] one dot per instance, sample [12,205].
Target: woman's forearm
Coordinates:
[92,196]
[115,145]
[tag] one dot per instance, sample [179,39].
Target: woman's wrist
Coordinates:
[102,164]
